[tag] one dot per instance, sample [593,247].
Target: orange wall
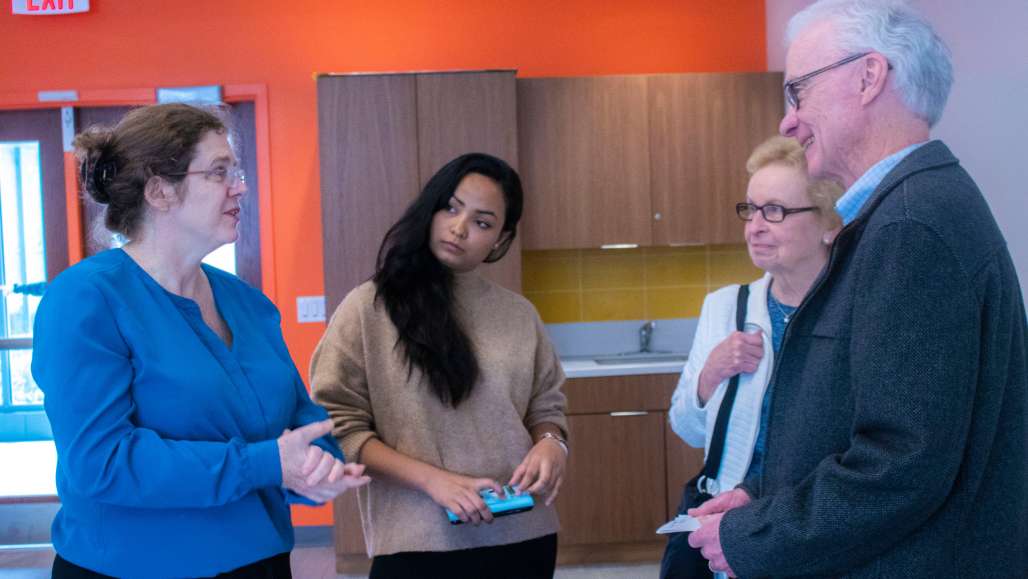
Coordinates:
[147,43]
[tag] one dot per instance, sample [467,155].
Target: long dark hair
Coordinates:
[417,289]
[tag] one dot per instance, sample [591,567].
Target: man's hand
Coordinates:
[723,502]
[708,537]
[708,540]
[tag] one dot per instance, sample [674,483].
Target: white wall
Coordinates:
[986,119]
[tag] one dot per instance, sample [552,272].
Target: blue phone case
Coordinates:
[500,507]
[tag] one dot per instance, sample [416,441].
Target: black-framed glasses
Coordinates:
[228,176]
[772,212]
[792,88]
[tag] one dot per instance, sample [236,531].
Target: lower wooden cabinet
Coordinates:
[624,477]
[626,470]
[614,490]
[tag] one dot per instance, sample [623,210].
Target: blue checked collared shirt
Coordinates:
[853,200]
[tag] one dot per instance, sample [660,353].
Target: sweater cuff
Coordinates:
[696,404]
[265,465]
[352,443]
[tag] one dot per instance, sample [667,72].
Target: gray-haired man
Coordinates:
[897,433]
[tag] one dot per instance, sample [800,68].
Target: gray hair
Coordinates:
[920,60]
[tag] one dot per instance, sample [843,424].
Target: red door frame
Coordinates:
[257,93]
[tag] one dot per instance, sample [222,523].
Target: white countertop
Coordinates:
[581,367]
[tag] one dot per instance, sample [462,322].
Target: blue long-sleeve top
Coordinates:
[168,463]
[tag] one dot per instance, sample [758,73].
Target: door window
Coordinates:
[22,277]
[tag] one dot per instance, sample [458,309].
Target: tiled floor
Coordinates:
[308,563]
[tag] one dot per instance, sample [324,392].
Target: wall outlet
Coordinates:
[310,309]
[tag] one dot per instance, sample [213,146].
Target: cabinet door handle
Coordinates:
[630,413]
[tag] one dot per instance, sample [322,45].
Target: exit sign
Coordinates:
[45,7]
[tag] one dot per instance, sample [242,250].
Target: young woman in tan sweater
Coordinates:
[444,384]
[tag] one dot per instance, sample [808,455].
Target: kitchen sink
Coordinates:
[640,358]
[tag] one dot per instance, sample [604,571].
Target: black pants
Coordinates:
[532,559]
[276,567]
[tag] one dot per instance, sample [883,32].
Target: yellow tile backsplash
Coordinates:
[629,284]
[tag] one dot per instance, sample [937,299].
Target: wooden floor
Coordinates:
[308,563]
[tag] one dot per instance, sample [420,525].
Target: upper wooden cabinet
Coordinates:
[585,149]
[650,160]
[381,137]
[702,129]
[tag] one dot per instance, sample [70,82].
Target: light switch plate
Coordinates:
[310,309]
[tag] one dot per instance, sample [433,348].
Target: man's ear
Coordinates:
[159,194]
[873,77]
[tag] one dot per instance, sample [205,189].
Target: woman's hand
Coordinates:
[542,470]
[340,478]
[460,494]
[309,470]
[738,353]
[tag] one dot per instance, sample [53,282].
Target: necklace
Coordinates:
[778,306]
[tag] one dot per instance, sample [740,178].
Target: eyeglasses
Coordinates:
[772,212]
[792,88]
[228,176]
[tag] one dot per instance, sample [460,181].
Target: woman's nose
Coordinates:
[459,228]
[757,223]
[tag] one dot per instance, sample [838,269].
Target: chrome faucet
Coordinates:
[645,334]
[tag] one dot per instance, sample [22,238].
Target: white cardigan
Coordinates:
[695,424]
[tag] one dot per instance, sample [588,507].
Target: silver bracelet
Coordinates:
[563,443]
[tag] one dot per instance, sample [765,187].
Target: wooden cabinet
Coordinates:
[703,127]
[626,470]
[614,491]
[584,149]
[649,160]
[381,137]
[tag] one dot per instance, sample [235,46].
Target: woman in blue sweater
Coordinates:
[182,426]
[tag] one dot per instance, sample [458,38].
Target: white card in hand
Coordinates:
[680,524]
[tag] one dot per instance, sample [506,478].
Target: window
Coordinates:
[22,279]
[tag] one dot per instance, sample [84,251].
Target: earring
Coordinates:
[827,240]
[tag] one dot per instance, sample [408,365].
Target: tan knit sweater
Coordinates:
[359,376]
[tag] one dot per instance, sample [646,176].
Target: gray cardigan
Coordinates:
[897,436]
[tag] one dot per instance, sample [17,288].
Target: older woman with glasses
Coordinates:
[182,427]
[790,223]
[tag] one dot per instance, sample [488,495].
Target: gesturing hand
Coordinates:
[542,470]
[738,353]
[310,471]
[341,478]
[460,494]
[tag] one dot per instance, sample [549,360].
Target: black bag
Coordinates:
[681,561]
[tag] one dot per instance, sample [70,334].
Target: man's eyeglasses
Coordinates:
[773,213]
[792,88]
[228,176]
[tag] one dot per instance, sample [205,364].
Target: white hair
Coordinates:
[923,73]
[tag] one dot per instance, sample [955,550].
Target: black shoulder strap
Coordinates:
[717,441]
